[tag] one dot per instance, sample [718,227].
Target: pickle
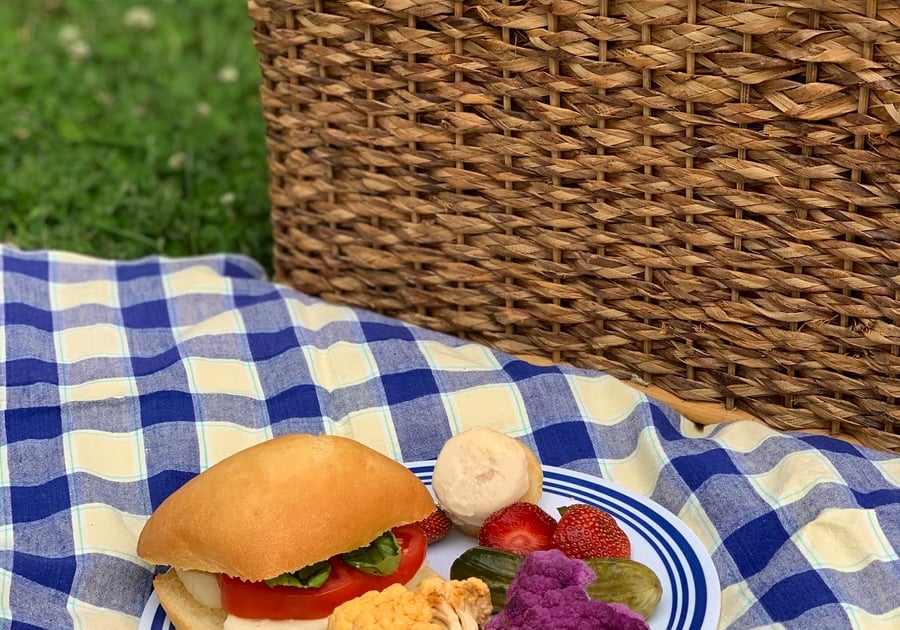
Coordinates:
[494,567]
[625,581]
[618,579]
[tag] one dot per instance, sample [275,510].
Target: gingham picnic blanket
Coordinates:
[121,380]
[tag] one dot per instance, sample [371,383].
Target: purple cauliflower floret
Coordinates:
[549,593]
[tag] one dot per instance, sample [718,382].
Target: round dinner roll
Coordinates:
[482,470]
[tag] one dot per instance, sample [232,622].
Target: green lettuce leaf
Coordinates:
[312,576]
[380,557]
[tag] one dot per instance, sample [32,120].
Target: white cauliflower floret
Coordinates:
[457,604]
[436,604]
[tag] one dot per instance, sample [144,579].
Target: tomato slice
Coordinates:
[258,600]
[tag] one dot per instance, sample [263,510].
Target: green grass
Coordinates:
[120,141]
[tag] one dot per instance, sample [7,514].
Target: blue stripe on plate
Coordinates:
[159,620]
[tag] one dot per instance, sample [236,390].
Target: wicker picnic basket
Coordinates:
[702,195]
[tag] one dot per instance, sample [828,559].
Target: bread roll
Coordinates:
[482,470]
[281,505]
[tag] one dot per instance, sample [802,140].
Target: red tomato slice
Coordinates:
[257,600]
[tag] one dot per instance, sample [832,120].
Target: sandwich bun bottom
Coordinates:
[182,609]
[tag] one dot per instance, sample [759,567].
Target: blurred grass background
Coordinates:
[129,129]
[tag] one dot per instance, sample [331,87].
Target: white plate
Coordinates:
[691,596]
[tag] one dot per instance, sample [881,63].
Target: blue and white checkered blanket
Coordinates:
[121,380]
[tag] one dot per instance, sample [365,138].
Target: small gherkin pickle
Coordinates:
[625,581]
[618,579]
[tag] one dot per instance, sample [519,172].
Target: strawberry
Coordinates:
[585,531]
[520,528]
[436,525]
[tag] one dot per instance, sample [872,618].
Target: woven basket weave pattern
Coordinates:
[702,195]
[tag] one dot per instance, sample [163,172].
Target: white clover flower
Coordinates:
[69,34]
[177,160]
[203,109]
[227,198]
[140,18]
[79,50]
[25,33]
[104,98]
[228,74]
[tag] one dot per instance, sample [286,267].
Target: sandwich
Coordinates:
[281,533]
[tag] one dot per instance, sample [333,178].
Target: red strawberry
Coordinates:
[436,525]
[520,528]
[588,532]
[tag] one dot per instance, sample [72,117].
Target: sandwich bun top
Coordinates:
[281,505]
